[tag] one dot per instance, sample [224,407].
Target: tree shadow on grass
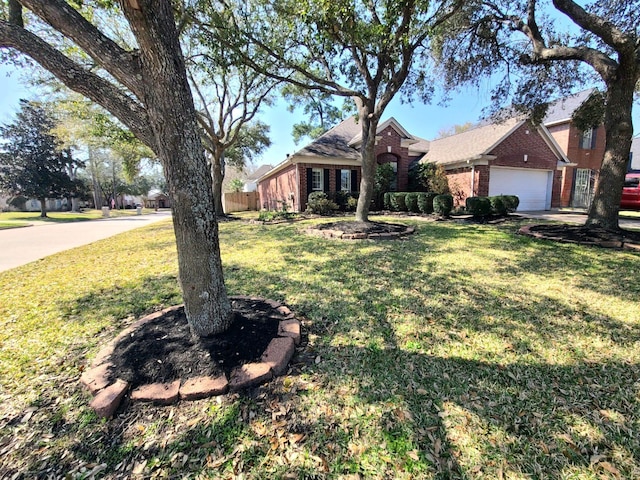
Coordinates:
[412,369]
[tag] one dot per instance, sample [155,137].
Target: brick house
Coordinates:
[331,163]
[585,150]
[509,158]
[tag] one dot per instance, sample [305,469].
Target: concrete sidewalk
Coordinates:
[19,246]
[573,216]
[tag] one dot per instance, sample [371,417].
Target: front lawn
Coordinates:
[462,351]
[63,217]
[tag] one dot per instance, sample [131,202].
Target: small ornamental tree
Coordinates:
[31,162]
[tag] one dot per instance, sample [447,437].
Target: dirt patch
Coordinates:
[569,233]
[163,350]
[352,230]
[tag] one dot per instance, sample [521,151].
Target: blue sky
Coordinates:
[422,120]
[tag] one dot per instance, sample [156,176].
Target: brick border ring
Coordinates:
[528,231]
[339,234]
[108,394]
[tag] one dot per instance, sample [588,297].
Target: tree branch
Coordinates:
[595,24]
[122,64]
[113,99]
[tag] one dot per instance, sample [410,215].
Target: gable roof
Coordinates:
[561,110]
[335,142]
[471,144]
[260,171]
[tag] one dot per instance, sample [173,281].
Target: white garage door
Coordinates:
[533,187]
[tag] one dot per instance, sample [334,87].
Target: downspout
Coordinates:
[297,192]
[473,180]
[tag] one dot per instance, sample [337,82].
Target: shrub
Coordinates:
[387,200]
[319,204]
[411,200]
[398,203]
[352,203]
[443,204]
[478,206]
[425,202]
[511,202]
[498,205]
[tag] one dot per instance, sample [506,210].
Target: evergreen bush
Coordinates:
[443,204]
[478,206]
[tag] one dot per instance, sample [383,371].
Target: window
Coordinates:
[631,182]
[345,180]
[316,180]
[588,139]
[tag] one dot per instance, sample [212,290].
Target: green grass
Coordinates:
[11,218]
[464,351]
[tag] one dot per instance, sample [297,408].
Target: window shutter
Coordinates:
[594,134]
[338,180]
[326,181]
[309,181]
[354,180]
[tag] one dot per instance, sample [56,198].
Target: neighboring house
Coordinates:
[331,163]
[585,151]
[157,199]
[508,158]
[251,180]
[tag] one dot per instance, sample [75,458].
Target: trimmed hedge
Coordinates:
[425,201]
[398,203]
[443,204]
[511,202]
[411,200]
[387,200]
[478,206]
[498,205]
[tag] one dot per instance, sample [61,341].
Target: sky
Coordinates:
[418,119]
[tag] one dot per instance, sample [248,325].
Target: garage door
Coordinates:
[533,187]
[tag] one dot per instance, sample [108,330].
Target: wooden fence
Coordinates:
[239,201]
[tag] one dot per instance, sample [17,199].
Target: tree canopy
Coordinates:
[33,163]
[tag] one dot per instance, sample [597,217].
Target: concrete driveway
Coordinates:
[575,217]
[19,246]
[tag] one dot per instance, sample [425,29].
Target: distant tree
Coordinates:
[236,185]
[229,96]
[319,109]
[455,129]
[539,56]
[31,162]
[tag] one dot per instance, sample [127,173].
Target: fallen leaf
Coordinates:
[610,468]
[413,455]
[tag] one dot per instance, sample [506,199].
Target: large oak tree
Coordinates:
[542,51]
[366,50]
[147,90]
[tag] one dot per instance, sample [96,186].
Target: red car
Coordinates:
[631,192]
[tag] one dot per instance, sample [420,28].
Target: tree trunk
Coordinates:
[172,117]
[75,204]
[217,176]
[369,163]
[605,207]
[43,207]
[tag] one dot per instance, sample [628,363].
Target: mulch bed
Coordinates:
[163,349]
[570,233]
[353,230]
